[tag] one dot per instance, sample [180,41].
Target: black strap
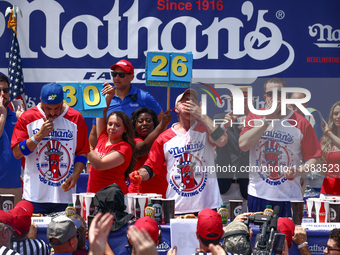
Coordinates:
[149,170]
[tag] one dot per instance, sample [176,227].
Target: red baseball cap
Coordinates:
[7,218]
[287,227]
[150,225]
[125,65]
[22,214]
[209,224]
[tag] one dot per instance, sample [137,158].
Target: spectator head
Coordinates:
[3,78]
[193,95]
[52,93]
[7,228]
[236,238]
[4,92]
[209,227]
[22,214]
[150,226]
[333,243]
[287,227]
[143,118]
[62,233]
[82,231]
[274,80]
[51,97]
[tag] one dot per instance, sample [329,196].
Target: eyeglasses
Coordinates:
[270,93]
[329,249]
[5,90]
[121,75]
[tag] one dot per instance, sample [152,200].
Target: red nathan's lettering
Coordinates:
[173,5]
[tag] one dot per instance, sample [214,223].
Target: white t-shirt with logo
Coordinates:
[47,167]
[285,144]
[190,163]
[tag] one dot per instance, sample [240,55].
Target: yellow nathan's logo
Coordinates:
[52,97]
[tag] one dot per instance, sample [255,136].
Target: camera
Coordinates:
[267,241]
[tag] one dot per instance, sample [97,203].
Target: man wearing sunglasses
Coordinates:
[277,144]
[10,167]
[124,96]
[333,243]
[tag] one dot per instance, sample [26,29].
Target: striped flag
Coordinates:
[15,75]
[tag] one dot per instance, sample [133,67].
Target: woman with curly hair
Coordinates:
[147,129]
[330,146]
[112,160]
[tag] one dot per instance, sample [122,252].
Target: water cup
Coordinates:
[297,211]
[168,210]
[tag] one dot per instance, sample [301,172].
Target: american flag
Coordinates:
[15,75]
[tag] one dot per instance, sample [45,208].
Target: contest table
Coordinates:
[117,240]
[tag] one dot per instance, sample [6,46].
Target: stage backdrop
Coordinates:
[234,42]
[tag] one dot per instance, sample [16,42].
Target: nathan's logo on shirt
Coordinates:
[190,147]
[54,163]
[278,136]
[273,161]
[184,180]
[60,134]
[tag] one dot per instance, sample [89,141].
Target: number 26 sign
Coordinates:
[85,98]
[168,69]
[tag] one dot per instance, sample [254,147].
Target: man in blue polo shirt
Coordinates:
[10,167]
[126,97]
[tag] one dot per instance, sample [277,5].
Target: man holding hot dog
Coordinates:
[53,139]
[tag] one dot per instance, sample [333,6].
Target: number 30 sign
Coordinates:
[85,98]
[167,69]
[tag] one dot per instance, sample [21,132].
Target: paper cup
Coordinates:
[157,204]
[168,210]
[139,205]
[130,204]
[88,205]
[322,211]
[235,208]
[334,209]
[7,202]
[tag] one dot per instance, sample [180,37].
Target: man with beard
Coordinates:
[53,139]
[10,167]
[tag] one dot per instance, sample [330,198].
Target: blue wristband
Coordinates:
[81,159]
[24,149]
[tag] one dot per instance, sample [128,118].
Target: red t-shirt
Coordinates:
[331,183]
[99,179]
[157,184]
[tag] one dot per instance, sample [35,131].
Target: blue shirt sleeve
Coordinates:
[152,103]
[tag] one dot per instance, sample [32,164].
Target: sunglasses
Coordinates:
[5,90]
[121,75]
[270,93]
